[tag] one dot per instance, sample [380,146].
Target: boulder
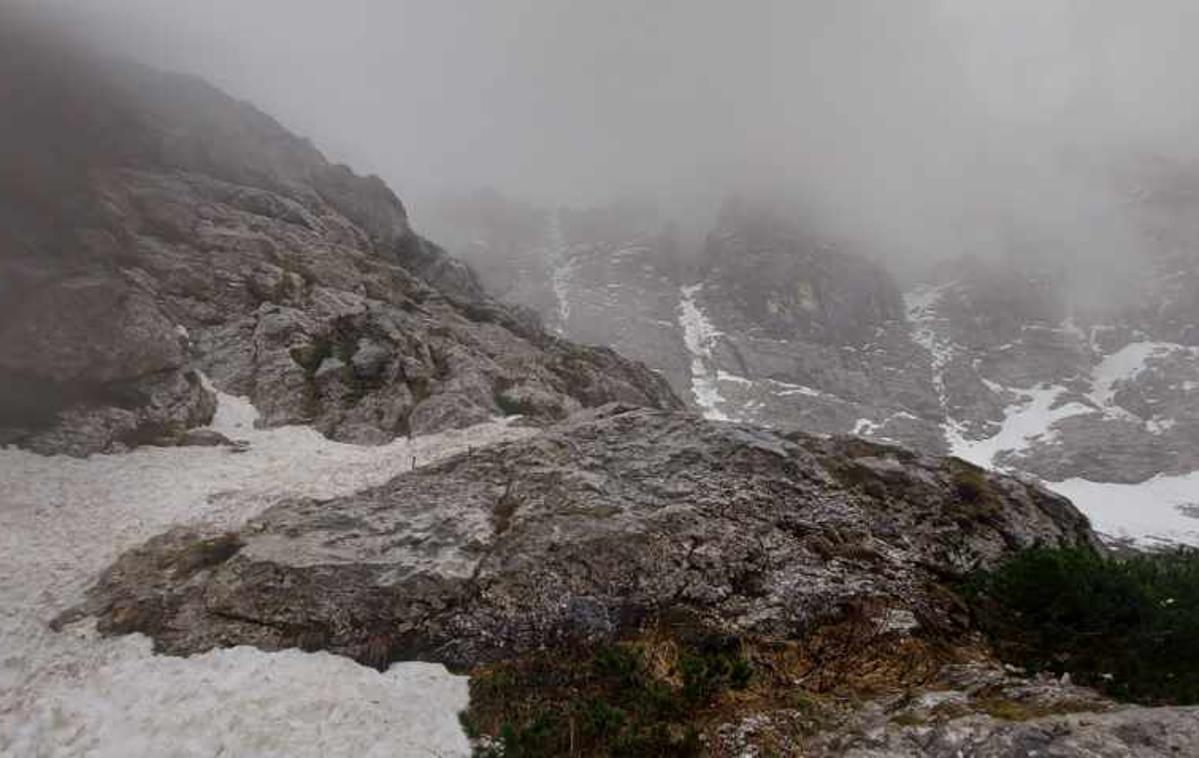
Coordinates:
[588,531]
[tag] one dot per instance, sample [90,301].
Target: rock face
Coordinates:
[1101,395]
[180,230]
[765,323]
[795,331]
[1012,363]
[608,275]
[582,534]
[1141,732]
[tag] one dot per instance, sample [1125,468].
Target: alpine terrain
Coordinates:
[764,320]
[281,476]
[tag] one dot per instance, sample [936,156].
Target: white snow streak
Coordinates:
[796,389]
[864,427]
[73,693]
[562,269]
[699,335]
[1023,424]
[920,305]
[724,376]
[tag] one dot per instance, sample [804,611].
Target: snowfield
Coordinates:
[1163,510]
[63,520]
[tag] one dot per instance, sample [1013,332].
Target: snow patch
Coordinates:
[1160,425]
[1122,366]
[725,376]
[1030,419]
[699,335]
[563,268]
[795,389]
[241,702]
[864,427]
[74,693]
[1155,511]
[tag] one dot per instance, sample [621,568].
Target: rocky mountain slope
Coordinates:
[156,228]
[998,362]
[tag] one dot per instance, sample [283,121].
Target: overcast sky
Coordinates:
[901,119]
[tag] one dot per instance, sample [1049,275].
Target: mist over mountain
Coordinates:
[922,128]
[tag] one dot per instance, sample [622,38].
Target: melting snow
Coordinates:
[795,389]
[864,427]
[699,335]
[1159,510]
[1022,424]
[725,376]
[560,278]
[1155,511]
[75,693]
[1124,365]
[921,305]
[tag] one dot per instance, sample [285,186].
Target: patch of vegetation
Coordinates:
[975,499]
[1127,626]
[855,447]
[310,355]
[1007,709]
[656,693]
[852,475]
[630,699]
[859,447]
[202,554]
[907,719]
[509,406]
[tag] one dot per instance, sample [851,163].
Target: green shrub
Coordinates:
[602,703]
[707,674]
[975,499]
[1127,626]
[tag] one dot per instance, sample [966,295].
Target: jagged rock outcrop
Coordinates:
[585,532]
[159,228]
[803,332]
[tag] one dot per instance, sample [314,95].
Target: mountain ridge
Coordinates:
[222,243]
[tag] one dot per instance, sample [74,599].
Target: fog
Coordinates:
[919,129]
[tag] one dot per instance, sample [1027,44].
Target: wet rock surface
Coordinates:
[584,532]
